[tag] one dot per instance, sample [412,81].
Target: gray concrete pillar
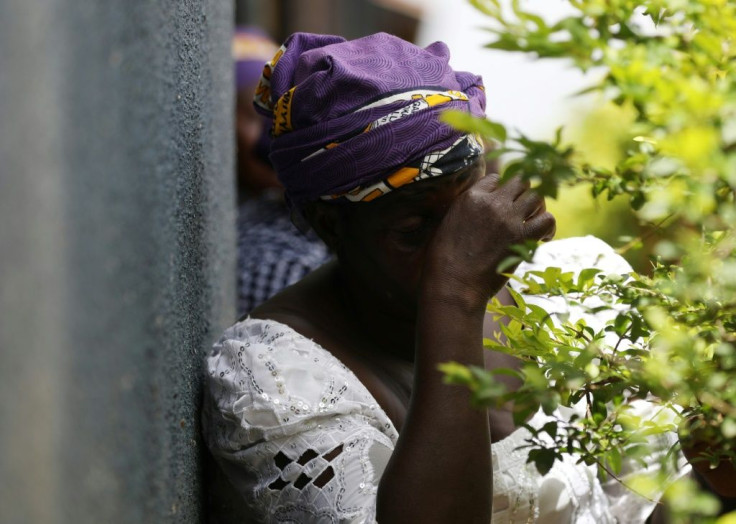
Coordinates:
[116,253]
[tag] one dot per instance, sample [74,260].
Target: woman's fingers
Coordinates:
[530,203]
[489,182]
[541,226]
[511,189]
[514,188]
[481,225]
[513,203]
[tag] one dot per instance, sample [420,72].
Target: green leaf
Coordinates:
[543,459]
[613,458]
[456,373]
[489,7]
[586,278]
[508,263]
[473,124]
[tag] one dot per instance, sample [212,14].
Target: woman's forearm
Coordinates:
[441,468]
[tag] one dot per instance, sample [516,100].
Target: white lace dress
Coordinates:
[302,440]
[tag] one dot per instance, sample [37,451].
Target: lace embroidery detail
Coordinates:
[321,472]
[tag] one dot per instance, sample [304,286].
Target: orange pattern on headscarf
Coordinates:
[282,113]
[263,90]
[403,176]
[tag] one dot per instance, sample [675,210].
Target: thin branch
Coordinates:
[654,229]
[620,481]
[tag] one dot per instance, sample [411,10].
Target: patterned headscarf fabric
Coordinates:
[355,119]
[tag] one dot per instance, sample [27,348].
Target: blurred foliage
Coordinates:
[599,135]
[666,145]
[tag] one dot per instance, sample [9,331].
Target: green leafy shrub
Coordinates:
[671,65]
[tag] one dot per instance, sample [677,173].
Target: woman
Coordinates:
[326,405]
[272,253]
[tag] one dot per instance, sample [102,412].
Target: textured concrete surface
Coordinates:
[116,258]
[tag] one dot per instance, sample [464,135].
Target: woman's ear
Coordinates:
[327,221]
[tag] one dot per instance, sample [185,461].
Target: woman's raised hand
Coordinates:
[477,232]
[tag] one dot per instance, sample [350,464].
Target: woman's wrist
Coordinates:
[456,289]
[452,296]
[450,317]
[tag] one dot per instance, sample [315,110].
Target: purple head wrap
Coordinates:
[349,113]
[251,47]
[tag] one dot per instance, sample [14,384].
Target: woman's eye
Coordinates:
[409,230]
[412,234]
[409,226]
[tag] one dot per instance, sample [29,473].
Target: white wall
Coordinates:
[525,94]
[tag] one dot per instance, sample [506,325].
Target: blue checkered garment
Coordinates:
[272,252]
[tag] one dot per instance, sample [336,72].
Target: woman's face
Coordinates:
[382,244]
